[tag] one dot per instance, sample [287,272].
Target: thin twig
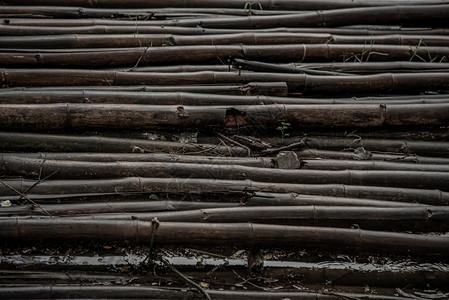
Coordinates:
[234,142]
[140,58]
[293,146]
[247,281]
[189,281]
[26,197]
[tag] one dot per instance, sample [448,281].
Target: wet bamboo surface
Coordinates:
[202,149]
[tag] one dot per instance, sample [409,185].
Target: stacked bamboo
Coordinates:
[314,128]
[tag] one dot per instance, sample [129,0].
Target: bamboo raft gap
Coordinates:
[276,149]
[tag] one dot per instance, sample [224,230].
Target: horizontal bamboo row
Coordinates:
[260,162]
[374,218]
[138,292]
[86,26]
[146,54]
[122,96]
[138,185]
[298,83]
[266,4]
[10,166]
[397,14]
[238,234]
[249,38]
[436,152]
[72,116]
[282,144]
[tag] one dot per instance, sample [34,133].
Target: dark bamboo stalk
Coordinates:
[382,15]
[55,12]
[120,116]
[133,185]
[65,143]
[335,164]
[63,26]
[290,199]
[260,162]
[302,83]
[30,168]
[398,158]
[236,234]
[110,96]
[110,207]
[266,4]
[203,53]
[142,292]
[422,219]
[251,88]
[437,148]
[248,38]
[374,67]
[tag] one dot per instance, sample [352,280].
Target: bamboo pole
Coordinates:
[21,142]
[248,38]
[111,57]
[436,148]
[266,4]
[72,116]
[110,96]
[236,234]
[55,12]
[292,199]
[382,15]
[38,291]
[30,168]
[109,207]
[260,162]
[86,26]
[302,83]
[398,158]
[422,219]
[139,185]
[251,88]
[335,164]
[373,67]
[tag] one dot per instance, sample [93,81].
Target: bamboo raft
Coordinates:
[203,149]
